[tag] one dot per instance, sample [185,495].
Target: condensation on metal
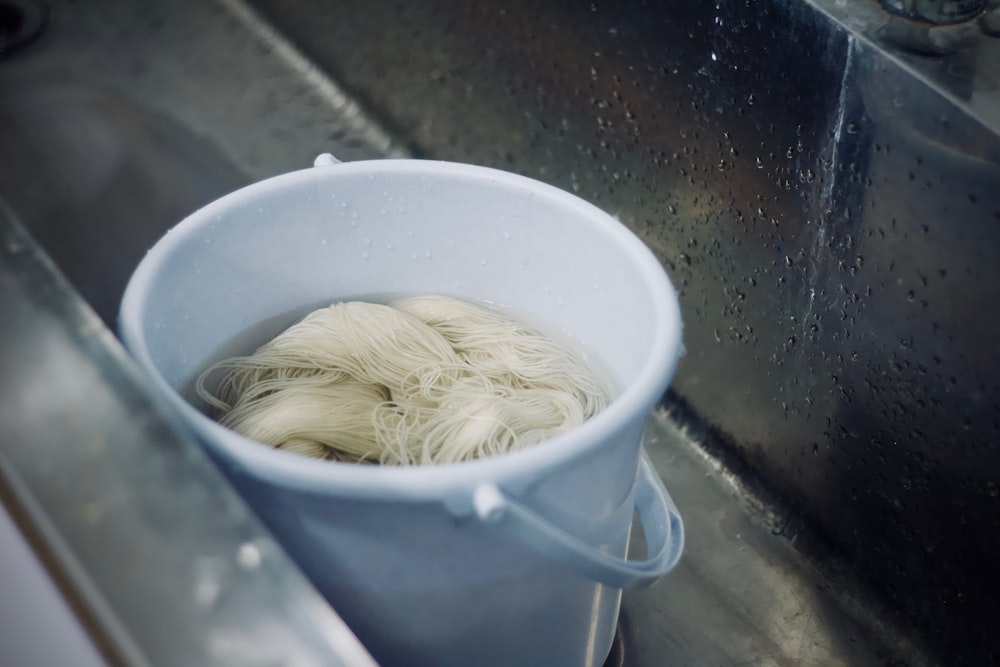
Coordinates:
[822,192]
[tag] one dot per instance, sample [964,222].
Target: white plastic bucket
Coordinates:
[512,560]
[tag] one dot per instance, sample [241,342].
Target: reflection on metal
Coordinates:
[825,202]
[742,593]
[145,538]
[138,113]
[827,205]
[936,11]
[21,21]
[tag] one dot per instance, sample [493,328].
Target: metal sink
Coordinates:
[123,116]
[119,121]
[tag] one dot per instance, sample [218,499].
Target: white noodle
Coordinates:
[426,380]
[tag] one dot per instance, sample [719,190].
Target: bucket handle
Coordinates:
[661,524]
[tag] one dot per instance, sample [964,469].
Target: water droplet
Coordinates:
[248,556]
[364,255]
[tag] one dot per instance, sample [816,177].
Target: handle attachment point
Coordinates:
[325,160]
[489,503]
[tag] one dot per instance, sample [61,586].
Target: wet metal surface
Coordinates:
[20,22]
[960,61]
[829,218]
[123,118]
[826,203]
[30,599]
[742,594]
[162,562]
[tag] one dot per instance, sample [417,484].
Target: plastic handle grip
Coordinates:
[661,524]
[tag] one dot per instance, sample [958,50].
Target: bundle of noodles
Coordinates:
[503,348]
[426,380]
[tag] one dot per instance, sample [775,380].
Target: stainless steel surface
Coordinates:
[825,201]
[960,61]
[20,22]
[126,116]
[936,11]
[30,599]
[148,543]
[743,594]
[827,204]
[164,563]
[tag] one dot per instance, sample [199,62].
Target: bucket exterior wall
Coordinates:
[419,587]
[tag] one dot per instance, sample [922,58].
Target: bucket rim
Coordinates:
[424,482]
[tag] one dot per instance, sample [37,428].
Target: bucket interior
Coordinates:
[398,228]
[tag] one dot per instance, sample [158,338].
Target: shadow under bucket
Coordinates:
[517,559]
